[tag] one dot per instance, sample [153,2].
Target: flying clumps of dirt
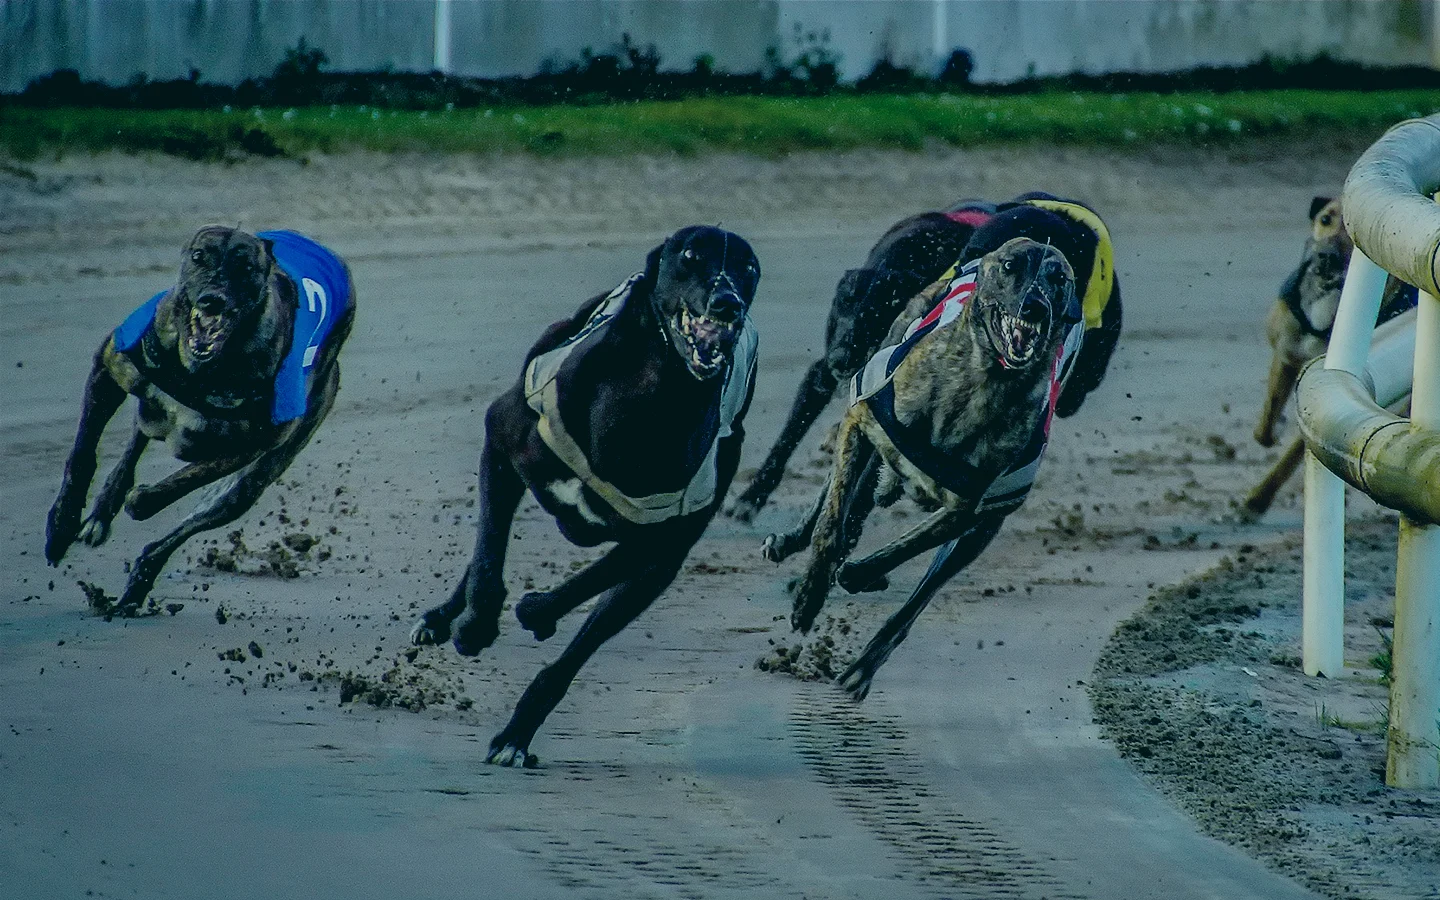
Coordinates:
[287,557]
[820,657]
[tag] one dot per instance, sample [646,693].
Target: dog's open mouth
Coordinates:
[1014,337]
[207,334]
[704,342]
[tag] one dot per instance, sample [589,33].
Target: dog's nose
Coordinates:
[726,305]
[210,304]
[1034,305]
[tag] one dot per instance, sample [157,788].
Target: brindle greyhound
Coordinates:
[1299,330]
[626,426]
[912,254]
[958,413]
[908,257]
[234,368]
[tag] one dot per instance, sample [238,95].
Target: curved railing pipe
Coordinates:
[1387,201]
[1390,214]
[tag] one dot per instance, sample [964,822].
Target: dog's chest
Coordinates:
[191,434]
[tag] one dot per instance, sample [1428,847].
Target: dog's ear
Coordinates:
[1317,204]
[652,263]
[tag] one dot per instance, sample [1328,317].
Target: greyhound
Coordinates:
[234,367]
[626,426]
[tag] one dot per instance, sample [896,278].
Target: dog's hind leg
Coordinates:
[780,546]
[949,560]
[1283,375]
[620,607]
[1258,501]
[856,575]
[148,499]
[229,499]
[861,501]
[539,611]
[103,397]
[853,455]
[112,496]
[814,393]
[475,626]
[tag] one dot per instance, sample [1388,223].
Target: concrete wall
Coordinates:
[228,40]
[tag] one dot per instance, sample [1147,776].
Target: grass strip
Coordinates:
[761,125]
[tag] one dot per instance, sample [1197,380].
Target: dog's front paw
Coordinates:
[512,751]
[770,549]
[532,614]
[472,633]
[142,502]
[142,579]
[95,531]
[429,634]
[781,546]
[855,680]
[855,580]
[61,528]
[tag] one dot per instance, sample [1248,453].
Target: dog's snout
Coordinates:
[1034,305]
[725,304]
[210,304]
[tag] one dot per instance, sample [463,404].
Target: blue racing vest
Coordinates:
[324,293]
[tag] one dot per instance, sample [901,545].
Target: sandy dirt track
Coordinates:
[138,761]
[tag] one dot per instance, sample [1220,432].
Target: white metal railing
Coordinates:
[1390,213]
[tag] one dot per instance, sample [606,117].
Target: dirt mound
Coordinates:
[1201,691]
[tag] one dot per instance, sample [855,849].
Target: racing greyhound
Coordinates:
[626,426]
[956,409]
[911,255]
[234,367]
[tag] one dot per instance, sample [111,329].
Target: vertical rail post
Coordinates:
[442,36]
[940,32]
[1413,738]
[1323,610]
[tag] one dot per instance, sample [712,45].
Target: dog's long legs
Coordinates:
[934,531]
[511,747]
[949,560]
[538,611]
[814,393]
[1263,494]
[112,496]
[853,452]
[103,397]
[478,624]
[231,499]
[1283,374]
[148,499]
[782,545]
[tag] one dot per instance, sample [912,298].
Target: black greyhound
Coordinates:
[626,426]
[907,258]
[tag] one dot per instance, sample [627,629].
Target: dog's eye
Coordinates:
[197,256]
[688,255]
[1007,265]
[1327,220]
